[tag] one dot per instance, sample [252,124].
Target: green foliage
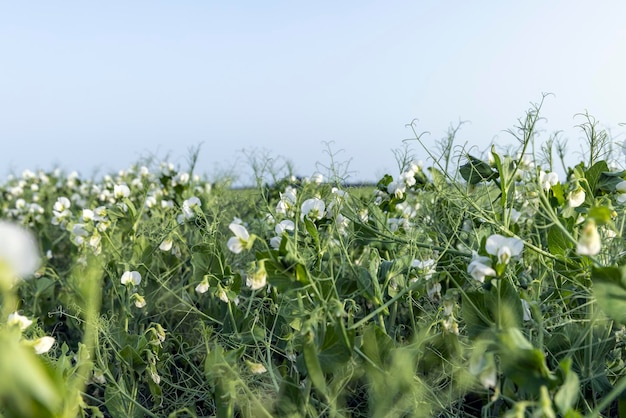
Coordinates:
[420,296]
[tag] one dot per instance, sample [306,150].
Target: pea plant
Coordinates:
[480,284]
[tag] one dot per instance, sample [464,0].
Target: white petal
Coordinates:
[493,244]
[234,245]
[240,231]
[43,344]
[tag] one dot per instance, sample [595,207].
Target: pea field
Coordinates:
[477,283]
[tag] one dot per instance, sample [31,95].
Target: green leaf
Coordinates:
[558,243]
[475,171]
[609,288]
[608,181]
[132,359]
[439,179]
[302,274]
[567,395]
[522,363]
[557,199]
[384,182]
[594,173]
[336,351]
[29,387]
[206,259]
[376,346]
[601,214]
[312,230]
[131,207]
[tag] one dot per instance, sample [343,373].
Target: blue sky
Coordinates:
[96,86]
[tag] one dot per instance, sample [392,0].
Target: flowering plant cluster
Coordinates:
[153,292]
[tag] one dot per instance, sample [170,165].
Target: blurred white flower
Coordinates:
[43,345]
[575,198]
[275,242]
[397,188]
[19,250]
[425,267]
[408,177]
[256,368]
[121,191]
[621,192]
[60,210]
[155,377]
[589,242]
[515,215]
[166,245]
[140,301]
[88,215]
[282,226]
[434,291]
[317,178]
[548,180]
[189,206]
[79,233]
[258,279]
[221,294]
[19,320]
[131,277]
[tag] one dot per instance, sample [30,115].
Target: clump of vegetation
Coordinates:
[481,285]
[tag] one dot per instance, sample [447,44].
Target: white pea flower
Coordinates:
[19,320]
[397,188]
[188,207]
[258,279]
[79,233]
[504,248]
[575,198]
[61,210]
[120,191]
[155,377]
[426,267]
[621,192]
[589,242]
[241,240]
[140,301]
[483,366]
[166,245]
[548,180]
[256,368]
[317,178]
[276,241]
[408,177]
[434,291]
[282,226]
[203,287]
[313,209]
[221,294]
[131,277]
[43,345]
[515,215]
[88,215]
[480,267]
[19,251]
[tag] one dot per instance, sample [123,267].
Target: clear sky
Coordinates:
[98,85]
